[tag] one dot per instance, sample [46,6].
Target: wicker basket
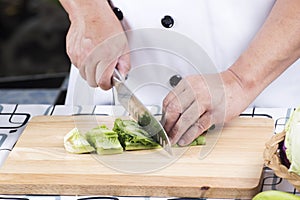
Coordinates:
[273,161]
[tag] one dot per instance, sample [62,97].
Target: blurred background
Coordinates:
[33,60]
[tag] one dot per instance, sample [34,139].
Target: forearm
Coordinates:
[275,47]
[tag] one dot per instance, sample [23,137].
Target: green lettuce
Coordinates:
[75,142]
[200,140]
[292,141]
[104,140]
[132,136]
[126,135]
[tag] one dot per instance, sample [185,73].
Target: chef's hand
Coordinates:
[199,101]
[96,42]
[194,105]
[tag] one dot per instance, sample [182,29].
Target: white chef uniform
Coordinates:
[223,29]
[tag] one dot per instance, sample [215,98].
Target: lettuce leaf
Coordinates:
[132,136]
[126,134]
[292,141]
[104,140]
[75,142]
[200,140]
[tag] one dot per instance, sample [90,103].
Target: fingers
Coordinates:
[175,103]
[89,75]
[197,128]
[174,93]
[98,74]
[174,110]
[99,66]
[188,110]
[181,113]
[96,63]
[104,77]
[186,120]
[124,64]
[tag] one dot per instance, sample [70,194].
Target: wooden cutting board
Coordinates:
[38,164]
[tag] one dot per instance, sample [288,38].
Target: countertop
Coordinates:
[14,117]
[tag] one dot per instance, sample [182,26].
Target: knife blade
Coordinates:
[140,113]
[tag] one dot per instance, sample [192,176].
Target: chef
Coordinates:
[205,60]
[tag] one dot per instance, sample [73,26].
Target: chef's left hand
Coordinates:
[199,101]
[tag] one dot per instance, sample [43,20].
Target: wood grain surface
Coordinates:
[39,164]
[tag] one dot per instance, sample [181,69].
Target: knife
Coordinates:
[140,113]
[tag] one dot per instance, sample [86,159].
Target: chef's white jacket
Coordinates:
[177,37]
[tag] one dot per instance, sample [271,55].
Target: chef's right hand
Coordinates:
[96,42]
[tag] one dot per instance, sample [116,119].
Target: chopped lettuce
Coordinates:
[104,140]
[126,134]
[292,141]
[75,142]
[200,140]
[132,136]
